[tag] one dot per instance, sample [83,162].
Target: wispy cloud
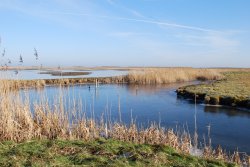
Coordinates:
[219,40]
[136,13]
[148,21]
[197,36]
[142,19]
[111,2]
[124,8]
[214,40]
[127,34]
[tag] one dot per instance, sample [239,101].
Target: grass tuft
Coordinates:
[96,153]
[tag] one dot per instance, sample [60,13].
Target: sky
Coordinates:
[194,33]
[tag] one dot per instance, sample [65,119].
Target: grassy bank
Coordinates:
[99,152]
[233,90]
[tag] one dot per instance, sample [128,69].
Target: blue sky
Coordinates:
[197,33]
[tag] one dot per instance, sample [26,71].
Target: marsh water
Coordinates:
[230,127]
[35,74]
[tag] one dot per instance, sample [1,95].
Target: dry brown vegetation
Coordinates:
[171,75]
[20,123]
[38,83]
[142,76]
[46,121]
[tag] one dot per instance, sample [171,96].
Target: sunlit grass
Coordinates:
[234,90]
[99,152]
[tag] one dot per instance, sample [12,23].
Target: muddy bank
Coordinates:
[60,73]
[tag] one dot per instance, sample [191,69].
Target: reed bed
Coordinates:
[171,75]
[39,83]
[138,76]
[23,121]
[142,76]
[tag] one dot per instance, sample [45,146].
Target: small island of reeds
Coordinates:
[63,73]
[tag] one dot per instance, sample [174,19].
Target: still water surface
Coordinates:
[35,74]
[230,127]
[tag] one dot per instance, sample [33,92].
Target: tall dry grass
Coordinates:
[22,120]
[171,75]
[142,76]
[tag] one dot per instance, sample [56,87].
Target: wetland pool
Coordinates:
[35,74]
[230,127]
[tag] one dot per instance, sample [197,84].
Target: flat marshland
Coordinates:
[145,76]
[62,73]
[50,134]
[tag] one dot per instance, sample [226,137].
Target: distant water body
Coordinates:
[35,74]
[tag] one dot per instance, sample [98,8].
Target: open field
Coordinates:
[233,90]
[99,152]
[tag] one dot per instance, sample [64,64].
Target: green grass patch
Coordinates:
[100,152]
[233,90]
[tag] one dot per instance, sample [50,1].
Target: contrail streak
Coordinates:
[138,20]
